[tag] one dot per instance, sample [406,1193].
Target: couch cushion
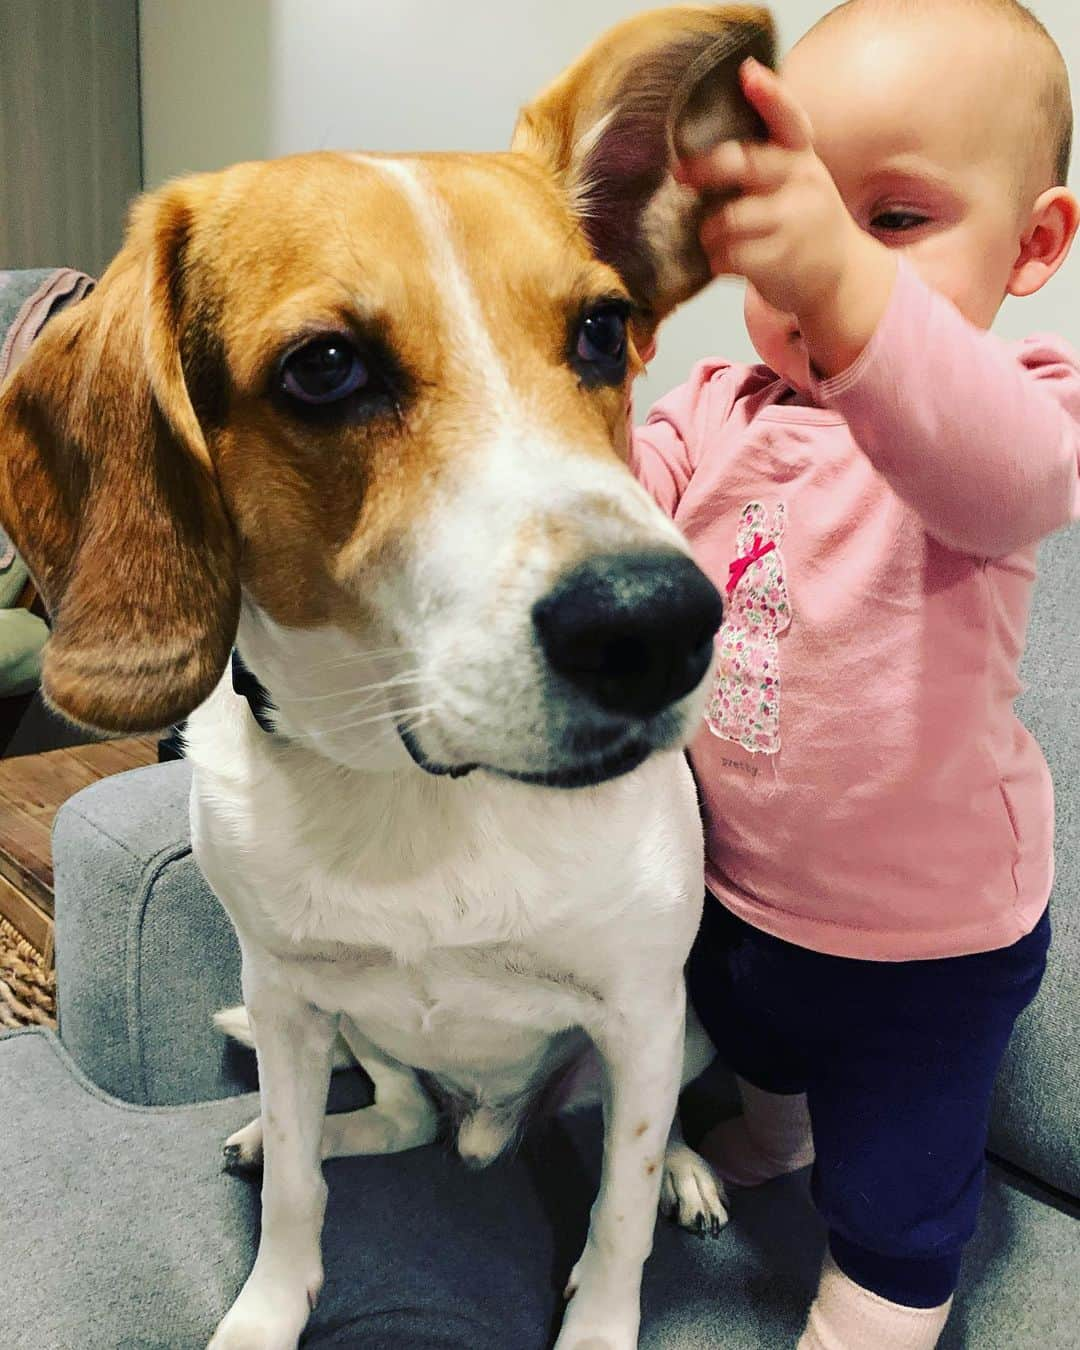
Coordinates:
[1036,1122]
[120,1231]
[117,1230]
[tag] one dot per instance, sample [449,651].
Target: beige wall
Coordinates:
[206,84]
[231,79]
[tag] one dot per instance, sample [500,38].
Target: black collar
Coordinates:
[259,701]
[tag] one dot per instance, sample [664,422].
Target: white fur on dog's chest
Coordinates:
[322,856]
[454,1017]
[446,919]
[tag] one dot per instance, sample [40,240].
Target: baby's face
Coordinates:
[921,123]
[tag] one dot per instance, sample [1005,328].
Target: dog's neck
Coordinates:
[319,690]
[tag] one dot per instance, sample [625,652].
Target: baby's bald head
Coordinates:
[1033,71]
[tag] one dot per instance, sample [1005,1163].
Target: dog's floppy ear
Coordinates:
[608,129]
[108,490]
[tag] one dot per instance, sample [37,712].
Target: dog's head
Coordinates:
[379,404]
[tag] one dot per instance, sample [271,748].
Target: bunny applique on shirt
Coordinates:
[745,702]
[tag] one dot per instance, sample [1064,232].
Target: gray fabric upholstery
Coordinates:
[1036,1121]
[136,1018]
[28,300]
[121,1233]
[117,1230]
[18,287]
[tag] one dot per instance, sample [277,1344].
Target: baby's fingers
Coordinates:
[734,223]
[787,123]
[736,166]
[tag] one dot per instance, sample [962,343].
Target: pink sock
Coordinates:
[770,1138]
[845,1316]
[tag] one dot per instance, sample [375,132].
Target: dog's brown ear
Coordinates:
[610,126]
[108,490]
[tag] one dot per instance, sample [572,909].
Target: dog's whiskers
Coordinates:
[390,716]
[385,654]
[394,682]
[364,700]
[373,654]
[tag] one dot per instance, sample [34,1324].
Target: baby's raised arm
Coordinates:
[980,437]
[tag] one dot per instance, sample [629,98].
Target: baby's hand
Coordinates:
[788,231]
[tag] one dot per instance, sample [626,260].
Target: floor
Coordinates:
[32,789]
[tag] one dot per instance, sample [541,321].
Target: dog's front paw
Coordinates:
[598,1316]
[692,1195]
[591,1327]
[267,1318]
[596,1340]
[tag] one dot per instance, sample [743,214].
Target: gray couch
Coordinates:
[118,1229]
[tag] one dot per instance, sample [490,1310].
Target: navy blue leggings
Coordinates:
[897,1060]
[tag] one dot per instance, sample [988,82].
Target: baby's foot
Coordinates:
[771,1138]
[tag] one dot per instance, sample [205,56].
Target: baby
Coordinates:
[879,823]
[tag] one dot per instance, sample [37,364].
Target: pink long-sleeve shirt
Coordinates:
[868,790]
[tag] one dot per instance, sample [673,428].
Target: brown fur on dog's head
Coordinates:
[147,474]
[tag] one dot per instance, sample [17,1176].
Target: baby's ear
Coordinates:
[108,490]
[607,128]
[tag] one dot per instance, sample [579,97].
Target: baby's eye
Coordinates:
[897,222]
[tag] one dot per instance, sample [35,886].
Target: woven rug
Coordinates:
[27,989]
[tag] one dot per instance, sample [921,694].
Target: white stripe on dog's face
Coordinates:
[519,502]
[468,335]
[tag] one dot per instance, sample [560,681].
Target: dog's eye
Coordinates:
[602,335]
[600,343]
[324,371]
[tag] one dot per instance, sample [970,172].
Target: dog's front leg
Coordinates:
[293,1042]
[640,1042]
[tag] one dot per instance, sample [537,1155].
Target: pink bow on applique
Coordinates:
[737,569]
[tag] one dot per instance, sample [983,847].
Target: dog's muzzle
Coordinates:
[623,637]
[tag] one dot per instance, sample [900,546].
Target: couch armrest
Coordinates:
[144,952]
[1036,1121]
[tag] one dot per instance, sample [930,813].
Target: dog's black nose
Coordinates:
[633,631]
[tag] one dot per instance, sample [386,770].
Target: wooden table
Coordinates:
[32,789]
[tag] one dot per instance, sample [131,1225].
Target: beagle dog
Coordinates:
[363,418]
